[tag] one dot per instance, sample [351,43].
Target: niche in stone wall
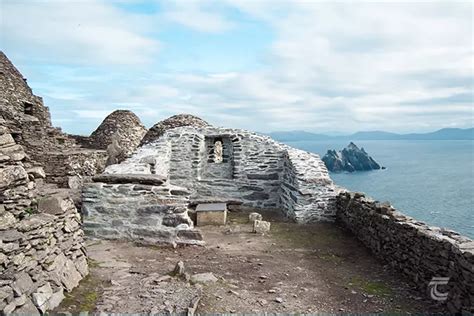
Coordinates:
[219,161]
[27,108]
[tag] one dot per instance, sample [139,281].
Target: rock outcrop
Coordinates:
[172,122]
[122,126]
[350,159]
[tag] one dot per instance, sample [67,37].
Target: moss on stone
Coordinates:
[84,297]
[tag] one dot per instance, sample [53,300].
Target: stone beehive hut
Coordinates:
[205,163]
[172,122]
[123,126]
[29,123]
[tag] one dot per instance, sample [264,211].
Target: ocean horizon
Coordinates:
[430,180]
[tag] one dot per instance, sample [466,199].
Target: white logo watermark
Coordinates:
[433,286]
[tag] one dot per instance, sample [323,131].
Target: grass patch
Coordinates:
[93,263]
[371,287]
[83,298]
[238,218]
[305,236]
[330,257]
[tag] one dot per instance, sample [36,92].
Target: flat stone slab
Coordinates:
[211,200]
[211,207]
[211,214]
[150,179]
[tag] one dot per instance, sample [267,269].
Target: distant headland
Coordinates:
[442,134]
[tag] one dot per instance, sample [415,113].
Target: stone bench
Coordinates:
[211,214]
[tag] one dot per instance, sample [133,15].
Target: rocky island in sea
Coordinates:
[350,159]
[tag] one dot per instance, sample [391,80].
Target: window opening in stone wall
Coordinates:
[16,137]
[28,108]
[218,151]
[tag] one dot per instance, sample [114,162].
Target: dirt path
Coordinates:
[294,269]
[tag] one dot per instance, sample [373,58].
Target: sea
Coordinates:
[430,180]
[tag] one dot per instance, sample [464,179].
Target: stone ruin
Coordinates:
[42,251]
[121,126]
[149,197]
[183,168]
[174,121]
[29,123]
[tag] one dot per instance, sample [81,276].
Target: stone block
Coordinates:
[190,234]
[12,175]
[82,265]
[261,227]
[7,220]
[6,139]
[211,214]
[208,277]
[42,296]
[35,221]
[23,284]
[56,299]
[37,172]
[11,235]
[54,205]
[255,217]
[27,309]
[70,277]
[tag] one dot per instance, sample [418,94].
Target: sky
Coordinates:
[262,65]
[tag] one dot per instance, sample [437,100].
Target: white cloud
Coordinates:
[197,15]
[84,32]
[328,66]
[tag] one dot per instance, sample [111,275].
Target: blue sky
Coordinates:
[264,65]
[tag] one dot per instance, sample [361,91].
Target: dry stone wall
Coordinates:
[29,123]
[81,164]
[41,243]
[252,169]
[141,208]
[307,191]
[122,126]
[419,251]
[172,122]
[41,257]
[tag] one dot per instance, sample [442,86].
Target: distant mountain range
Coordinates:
[442,134]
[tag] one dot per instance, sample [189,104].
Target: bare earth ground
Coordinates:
[293,269]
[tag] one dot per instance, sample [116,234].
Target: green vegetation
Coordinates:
[371,287]
[84,297]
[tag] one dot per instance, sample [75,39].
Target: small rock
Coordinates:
[203,278]
[255,217]
[279,300]
[234,292]
[261,227]
[272,291]
[179,269]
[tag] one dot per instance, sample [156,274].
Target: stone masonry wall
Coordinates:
[307,191]
[253,170]
[41,256]
[82,163]
[41,243]
[29,123]
[419,251]
[145,213]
